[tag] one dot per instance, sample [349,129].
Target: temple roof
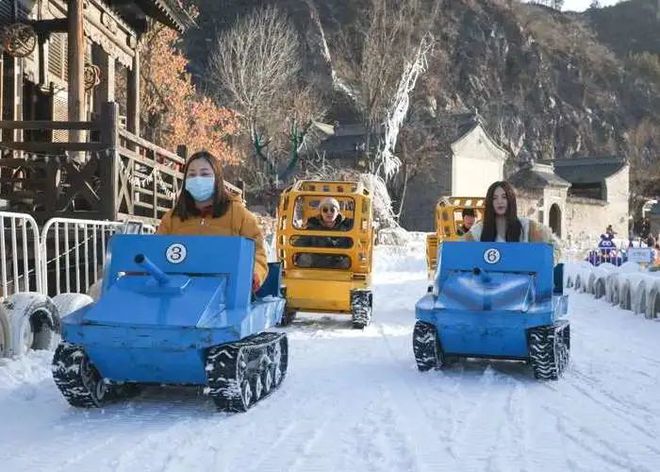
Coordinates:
[168,12]
[537,176]
[587,170]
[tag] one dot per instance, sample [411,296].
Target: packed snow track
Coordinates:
[354,400]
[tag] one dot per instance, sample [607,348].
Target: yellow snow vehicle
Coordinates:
[448,220]
[326,266]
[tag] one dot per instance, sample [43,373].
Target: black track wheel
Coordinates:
[280,360]
[228,379]
[426,347]
[361,308]
[242,373]
[77,378]
[549,349]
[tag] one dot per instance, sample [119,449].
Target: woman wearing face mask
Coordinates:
[204,207]
[502,224]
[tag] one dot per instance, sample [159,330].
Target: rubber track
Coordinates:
[222,372]
[425,346]
[549,350]
[361,308]
[66,373]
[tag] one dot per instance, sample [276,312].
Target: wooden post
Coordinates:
[76,67]
[106,89]
[133,105]
[15,88]
[182,151]
[108,164]
[43,60]
[2,92]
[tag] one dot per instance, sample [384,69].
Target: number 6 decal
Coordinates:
[492,256]
[176,253]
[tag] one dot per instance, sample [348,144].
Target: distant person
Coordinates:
[610,231]
[328,219]
[645,228]
[501,222]
[469,217]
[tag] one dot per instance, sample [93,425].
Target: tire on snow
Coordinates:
[94,290]
[653,303]
[67,303]
[5,333]
[33,320]
[625,296]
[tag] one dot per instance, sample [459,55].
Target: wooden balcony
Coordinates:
[113,174]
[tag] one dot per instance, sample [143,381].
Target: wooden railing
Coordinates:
[151,175]
[114,174]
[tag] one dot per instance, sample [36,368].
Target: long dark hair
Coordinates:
[185,205]
[513,225]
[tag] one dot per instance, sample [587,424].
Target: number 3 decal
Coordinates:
[492,256]
[176,253]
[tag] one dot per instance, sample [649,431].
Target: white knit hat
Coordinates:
[329,201]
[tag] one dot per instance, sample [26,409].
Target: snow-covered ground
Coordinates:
[355,401]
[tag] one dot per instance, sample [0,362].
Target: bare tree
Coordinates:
[391,38]
[256,67]
[644,164]
[255,61]
[395,44]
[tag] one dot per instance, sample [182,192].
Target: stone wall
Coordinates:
[528,203]
[586,219]
[581,218]
[655,225]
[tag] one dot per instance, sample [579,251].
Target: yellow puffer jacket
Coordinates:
[237,221]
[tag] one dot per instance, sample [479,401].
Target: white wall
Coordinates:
[618,188]
[477,162]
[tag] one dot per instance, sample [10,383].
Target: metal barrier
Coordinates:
[597,258]
[19,250]
[73,252]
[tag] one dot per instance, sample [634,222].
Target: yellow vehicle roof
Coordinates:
[446,220]
[329,187]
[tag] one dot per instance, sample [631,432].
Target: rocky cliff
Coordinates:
[548,84]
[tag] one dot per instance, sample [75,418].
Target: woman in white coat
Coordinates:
[501,222]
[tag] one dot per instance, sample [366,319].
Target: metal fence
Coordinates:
[19,251]
[73,253]
[597,258]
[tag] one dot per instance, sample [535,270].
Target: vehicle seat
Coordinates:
[558,279]
[273,282]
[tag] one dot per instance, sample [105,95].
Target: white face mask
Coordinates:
[201,188]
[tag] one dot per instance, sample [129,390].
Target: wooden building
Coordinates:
[68,148]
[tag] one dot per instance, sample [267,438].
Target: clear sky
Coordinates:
[579,5]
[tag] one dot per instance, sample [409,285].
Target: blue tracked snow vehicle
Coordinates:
[495,300]
[175,310]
